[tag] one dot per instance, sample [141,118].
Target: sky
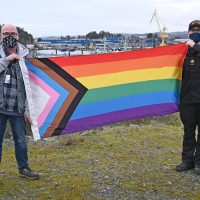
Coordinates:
[78,17]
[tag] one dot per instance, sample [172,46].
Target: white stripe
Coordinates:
[29,97]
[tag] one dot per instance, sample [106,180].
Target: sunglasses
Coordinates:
[9,34]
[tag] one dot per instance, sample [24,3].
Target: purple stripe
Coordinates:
[117,116]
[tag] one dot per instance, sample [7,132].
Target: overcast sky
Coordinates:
[76,17]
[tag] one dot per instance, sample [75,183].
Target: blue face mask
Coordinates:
[195,37]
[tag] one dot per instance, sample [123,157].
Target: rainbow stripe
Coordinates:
[55,93]
[124,86]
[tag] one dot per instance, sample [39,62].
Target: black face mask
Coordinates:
[10,42]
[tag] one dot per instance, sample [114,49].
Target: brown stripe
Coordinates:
[72,93]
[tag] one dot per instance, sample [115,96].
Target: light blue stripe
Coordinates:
[122,103]
[58,88]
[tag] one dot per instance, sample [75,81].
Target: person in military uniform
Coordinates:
[190,102]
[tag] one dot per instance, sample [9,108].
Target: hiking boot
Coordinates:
[197,170]
[28,173]
[184,167]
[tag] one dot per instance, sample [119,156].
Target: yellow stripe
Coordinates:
[130,77]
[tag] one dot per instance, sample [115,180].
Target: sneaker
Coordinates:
[28,173]
[184,167]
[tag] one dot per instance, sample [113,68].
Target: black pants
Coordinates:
[190,117]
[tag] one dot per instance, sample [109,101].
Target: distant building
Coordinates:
[59,42]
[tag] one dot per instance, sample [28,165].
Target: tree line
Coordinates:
[94,35]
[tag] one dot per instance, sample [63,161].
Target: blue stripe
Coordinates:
[58,88]
[122,103]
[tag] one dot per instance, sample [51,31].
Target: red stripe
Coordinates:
[100,58]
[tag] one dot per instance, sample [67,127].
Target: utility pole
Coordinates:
[104,44]
[125,42]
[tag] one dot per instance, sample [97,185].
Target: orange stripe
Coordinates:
[125,65]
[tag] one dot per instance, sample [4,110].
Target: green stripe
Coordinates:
[112,92]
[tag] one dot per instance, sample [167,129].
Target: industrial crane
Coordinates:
[163,33]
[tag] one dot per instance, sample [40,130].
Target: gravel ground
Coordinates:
[133,160]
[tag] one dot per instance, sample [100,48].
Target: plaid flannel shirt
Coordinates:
[10,89]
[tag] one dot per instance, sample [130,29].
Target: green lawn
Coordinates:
[131,160]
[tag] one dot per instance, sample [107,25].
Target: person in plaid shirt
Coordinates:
[13,102]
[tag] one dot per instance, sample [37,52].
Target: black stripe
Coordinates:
[81,92]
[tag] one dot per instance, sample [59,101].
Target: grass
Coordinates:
[132,160]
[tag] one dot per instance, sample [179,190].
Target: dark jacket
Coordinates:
[190,87]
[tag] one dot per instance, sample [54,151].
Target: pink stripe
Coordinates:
[52,93]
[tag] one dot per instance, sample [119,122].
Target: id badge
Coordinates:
[7,79]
